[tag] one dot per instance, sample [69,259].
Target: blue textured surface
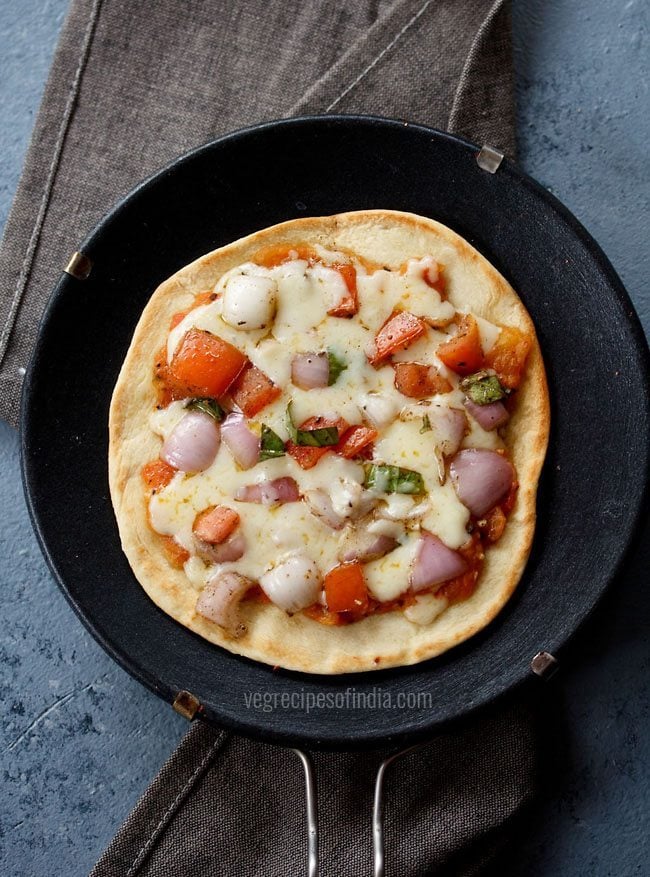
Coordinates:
[80,740]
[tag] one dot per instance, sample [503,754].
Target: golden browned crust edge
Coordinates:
[297,643]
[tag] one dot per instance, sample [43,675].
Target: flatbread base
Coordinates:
[297,642]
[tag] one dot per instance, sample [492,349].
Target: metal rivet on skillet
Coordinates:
[489,159]
[186,704]
[544,664]
[79,266]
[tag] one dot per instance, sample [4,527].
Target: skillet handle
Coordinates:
[311,804]
[377,811]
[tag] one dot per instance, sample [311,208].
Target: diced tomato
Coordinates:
[306,456]
[160,365]
[355,440]
[215,524]
[253,390]
[417,381]
[204,298]
[440,283]
[399,331]
[157,474]
[176,319]
[176,554]
[275,255]
[319,613]
[367,452]
[257,594]
[508,356]
[463,352]
[166,387]
[349,305]
[165,396]
[319,421]
[205,365]
[345,589]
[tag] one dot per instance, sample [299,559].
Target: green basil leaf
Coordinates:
[337,365]
[291,427]
[271,445]
[318,438]
[483,388]
[426,424]
[207,406]
[393,479]
[314,438]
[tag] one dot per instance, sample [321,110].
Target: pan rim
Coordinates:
[255,728]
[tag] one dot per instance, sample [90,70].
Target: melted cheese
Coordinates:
[387,577]
[265,528]
[488,332]
[402,444]
[300,295]
[163,420]
[426,608]
[383,291]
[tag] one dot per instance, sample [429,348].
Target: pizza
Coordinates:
[325,443]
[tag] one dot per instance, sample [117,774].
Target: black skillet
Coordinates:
[597,359]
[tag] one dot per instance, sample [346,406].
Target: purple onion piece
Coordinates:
[481,478]
[243,444]
[193,443]
[434,563]
[279,490]
[489,416]
[310,370]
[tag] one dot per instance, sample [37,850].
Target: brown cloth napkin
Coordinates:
[224,806]
[132,86]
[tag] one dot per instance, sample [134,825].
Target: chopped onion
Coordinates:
[397,507]
[481,478]
[382,527]
[380,410]
[226,552]
[219,601]
[434,563]
[310,370]
[321,505]
[489,416]
[362,545]
[193,443]
[448,425]
[270,492]
[243,444]
[294,584]
[349,499]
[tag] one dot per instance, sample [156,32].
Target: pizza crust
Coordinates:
[297,642]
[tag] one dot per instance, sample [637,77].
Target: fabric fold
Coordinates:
[223,805]
[131,89]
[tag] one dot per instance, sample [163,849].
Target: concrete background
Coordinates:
[80,740]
